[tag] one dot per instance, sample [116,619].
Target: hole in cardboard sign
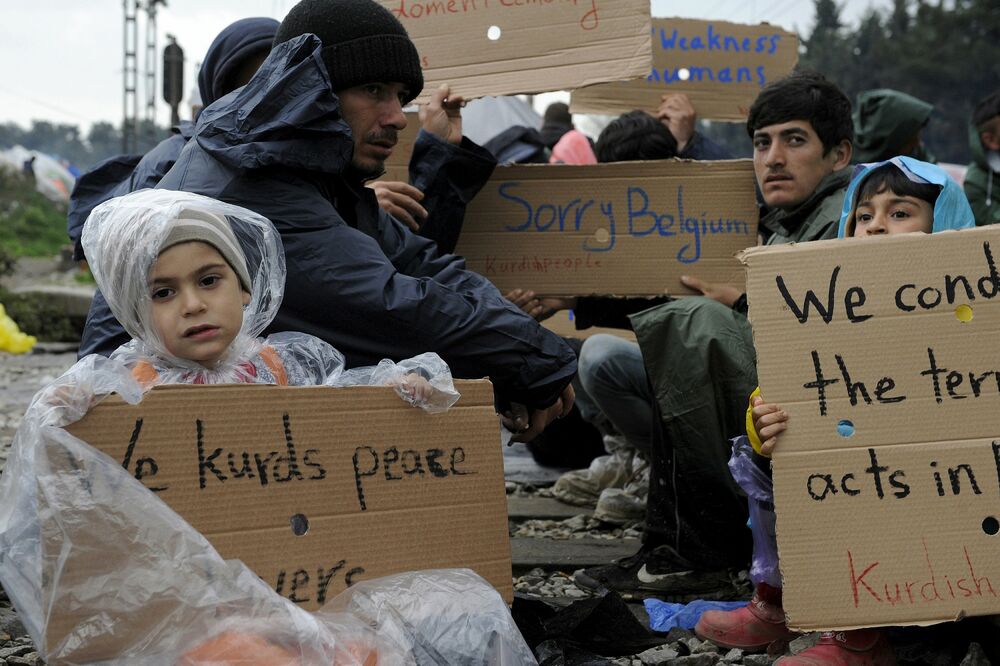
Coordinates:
[683,73]
[991,525]
[300,524]
[493,33]
[602,235]
[845,428]
[963,313]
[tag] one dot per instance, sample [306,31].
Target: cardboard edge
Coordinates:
[808,627]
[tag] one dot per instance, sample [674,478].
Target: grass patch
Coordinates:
[30,224]
[39,318]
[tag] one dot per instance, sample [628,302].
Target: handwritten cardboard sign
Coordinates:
[504,47]
[315,488]
[885,354]
[721,66]
[625,229]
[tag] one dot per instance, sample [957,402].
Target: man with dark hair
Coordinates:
[635,135]
[982,179]
[298,142]
[699,356]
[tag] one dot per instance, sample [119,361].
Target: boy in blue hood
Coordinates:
[900,195]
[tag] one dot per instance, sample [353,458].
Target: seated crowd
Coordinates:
[300,117]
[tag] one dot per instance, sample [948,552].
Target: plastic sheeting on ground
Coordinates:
[664,615]
[101,569]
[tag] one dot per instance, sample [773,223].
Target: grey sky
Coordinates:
[63,58]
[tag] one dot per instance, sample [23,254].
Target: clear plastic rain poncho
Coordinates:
[101,570]
[123,238]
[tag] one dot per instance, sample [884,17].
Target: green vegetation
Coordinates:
[30,224]
[40,318]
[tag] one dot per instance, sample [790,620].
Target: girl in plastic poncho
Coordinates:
[100,567]
[900,195]
[194,281]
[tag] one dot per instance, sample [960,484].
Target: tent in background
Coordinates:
[52,179]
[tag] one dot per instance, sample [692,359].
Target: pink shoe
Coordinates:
[751,628]
[861,647]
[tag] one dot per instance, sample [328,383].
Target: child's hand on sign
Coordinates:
[769,421]
[417,389]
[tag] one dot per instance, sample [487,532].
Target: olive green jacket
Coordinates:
[816,219]
[982,184]
[885,122]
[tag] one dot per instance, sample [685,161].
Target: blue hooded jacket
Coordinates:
[122,174]
[951,210]
[357,278]
[239,42]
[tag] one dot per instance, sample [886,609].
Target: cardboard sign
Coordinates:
[625,229]
[506,47]
[721,66]
[885,354]
[374,486]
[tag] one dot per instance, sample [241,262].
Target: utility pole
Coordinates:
[130,72]
[130,75]
[151,59]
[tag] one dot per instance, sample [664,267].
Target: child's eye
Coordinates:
[863,217]
[161,294]
[900,214]
[796,140]
[210,280]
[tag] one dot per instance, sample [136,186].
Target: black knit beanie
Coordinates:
[362,42]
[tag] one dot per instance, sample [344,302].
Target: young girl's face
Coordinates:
[889,213]
[197,302]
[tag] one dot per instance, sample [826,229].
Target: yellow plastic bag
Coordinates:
[11,338]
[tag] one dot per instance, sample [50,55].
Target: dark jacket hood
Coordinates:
[552,131]
[286,115]
[884,121]
[976,145]
[241,40]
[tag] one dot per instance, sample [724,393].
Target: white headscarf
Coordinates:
[122,239]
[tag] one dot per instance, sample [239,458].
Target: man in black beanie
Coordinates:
[298,142]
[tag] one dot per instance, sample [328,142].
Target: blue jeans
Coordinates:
[614,380]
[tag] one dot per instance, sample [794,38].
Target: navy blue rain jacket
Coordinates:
[357,278]
[120,175]
[232,47]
